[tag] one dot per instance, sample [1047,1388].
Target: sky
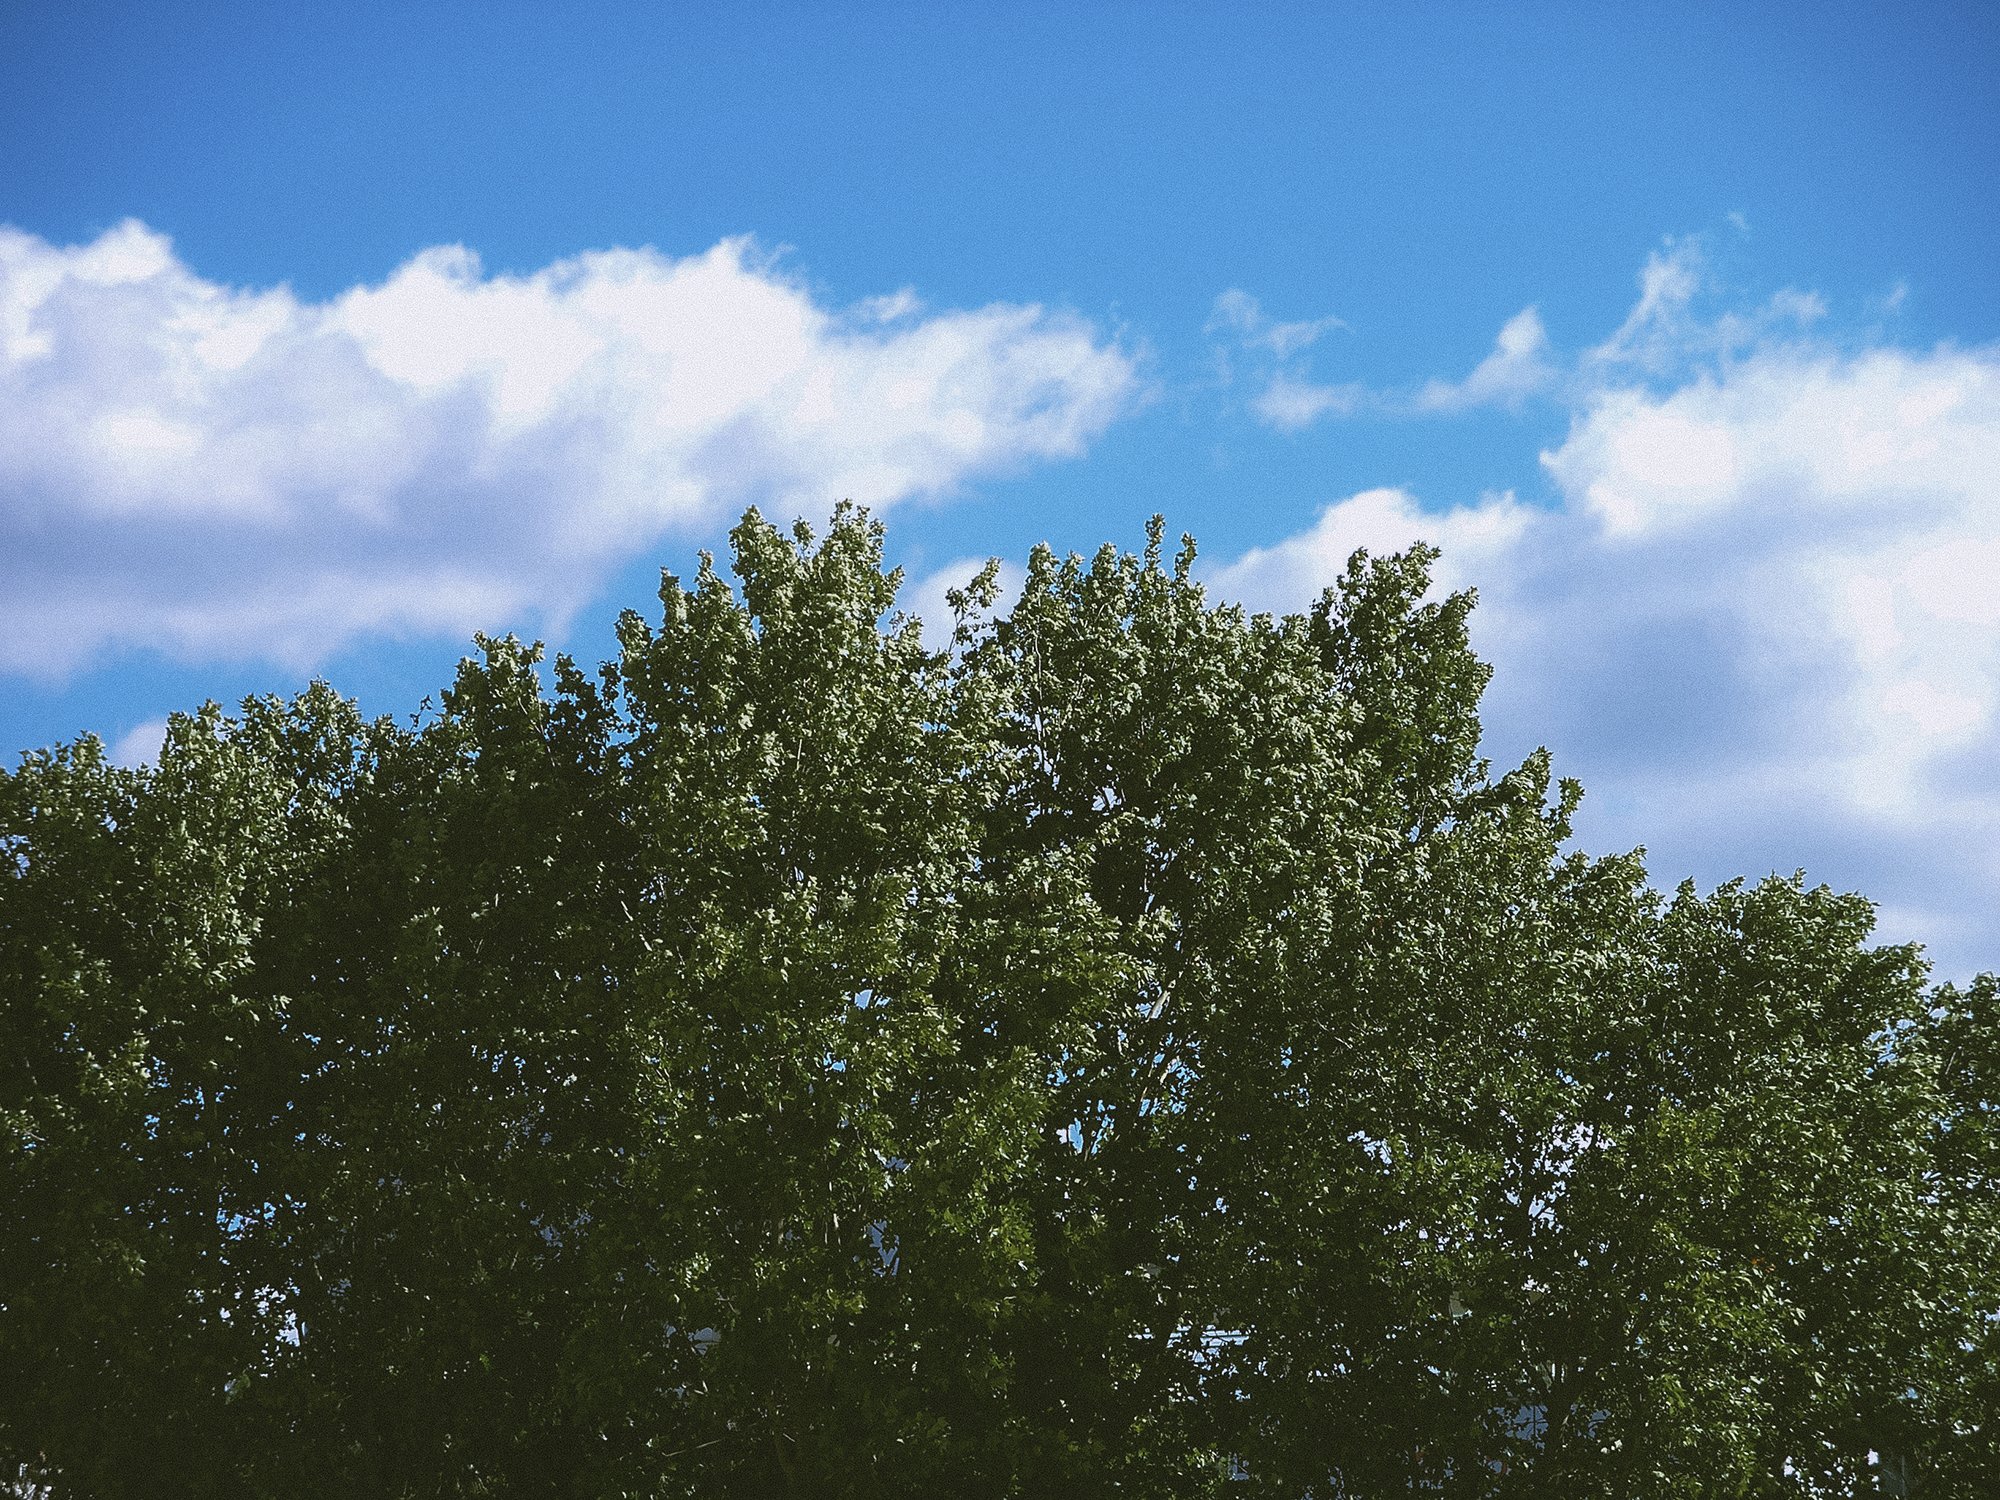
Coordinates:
[331,335]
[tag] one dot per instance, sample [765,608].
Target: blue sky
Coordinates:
[328,339]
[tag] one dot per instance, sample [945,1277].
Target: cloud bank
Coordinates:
[1760,616]
[203,469]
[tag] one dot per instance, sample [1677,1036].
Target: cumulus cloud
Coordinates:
[1289,575]
[1760,613]
[204,469]
[1842,513]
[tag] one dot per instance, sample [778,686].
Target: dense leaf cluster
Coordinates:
[1142,1051]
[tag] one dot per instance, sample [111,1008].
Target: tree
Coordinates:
[1141,1050]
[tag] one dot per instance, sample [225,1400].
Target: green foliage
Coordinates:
[1141,1051]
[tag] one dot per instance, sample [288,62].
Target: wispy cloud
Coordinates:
[1667,332]
[1662,333]
[1237,312]
[1289,404]
[1760,616]
[199,468]
[1656,331]
[1289,399]
[1517,368]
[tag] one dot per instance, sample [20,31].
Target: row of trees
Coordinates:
[1142,1051]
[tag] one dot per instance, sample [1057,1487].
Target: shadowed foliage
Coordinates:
[1142,1050]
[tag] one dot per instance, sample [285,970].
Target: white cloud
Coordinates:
[140,745]
[1844,515]
[1290,400]
[1761,617]
[1238,312]
[205,469]
[1292,573]
[1517,368]
[1290,404]
[1655,332]
[1665,335]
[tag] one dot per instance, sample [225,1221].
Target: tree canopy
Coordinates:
[1142,1050]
